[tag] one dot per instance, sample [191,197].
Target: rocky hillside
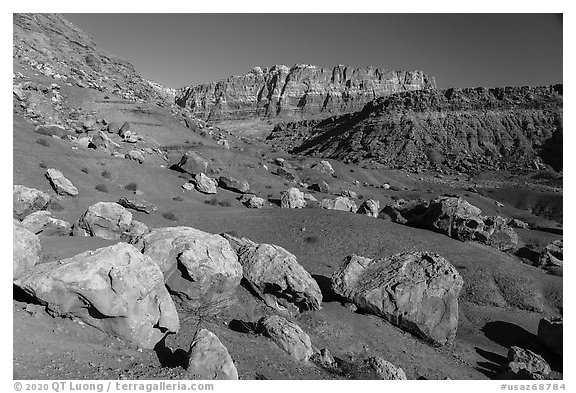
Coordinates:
[298,91]
[455,129]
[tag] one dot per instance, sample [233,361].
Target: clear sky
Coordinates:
[460,50]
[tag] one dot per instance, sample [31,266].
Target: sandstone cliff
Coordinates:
[461,129]
[298,91]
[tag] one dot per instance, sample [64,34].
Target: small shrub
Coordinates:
[101,188]
[268,186]
[42,165]
[225,202]
[177,199]
[360,196]
[85,170]
[395,188]
[43,142]
[212,201]
[169,216]
[131,186]
[107,175]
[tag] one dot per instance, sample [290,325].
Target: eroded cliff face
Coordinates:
[299,91]
[456,129]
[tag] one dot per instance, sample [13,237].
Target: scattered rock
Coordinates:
[287,335]
[115,289]
[135,155]
[252,201]
[349,194]
[209,359]
[205,184]
[292,198]
[286,174]
[138,204]
[416,291]
[384,369]
[516,223]
[551,335]
[324,167]
[43,223]
[201,269]
[28,200]
[339,203]
[233,184]
[60,184]
[320,187]
[109,220]
[552,255]
[370,207]
[276,276]
[53,129]
[25,250]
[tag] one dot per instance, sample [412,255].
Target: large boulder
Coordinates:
[208,358]
[115,289]
[339,203]
[42,223]
[292,198]
[28,200]
[137,204]
[109,220]
[60,184]
[200,269]
[205,184]
[416,291]
[287,335]
[25,250]
[370,207]
[193,163]
[551,334]
[524,364]
[275,275]
[233,184]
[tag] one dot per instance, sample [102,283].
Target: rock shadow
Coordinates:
[240,326]
[493,365]
[325,285]
[508,334]
[169,358]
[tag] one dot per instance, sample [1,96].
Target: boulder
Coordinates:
[209,359]
[525,361]
[349,194]
[339,203]
[416,291]
[553,255]
[138,204]
[516,223]
[102,141]
[320,187]
[205,184]
[370,207]
[403,211]
[287,335]
[188,186]
[42,222]
[310,198]
[25,250]
[384,369]
[135,155]
[193,163]
[324,167]
[551,335]
[109,220]
[234,184]
[28,200]
[275,275]
[116,289]
[60,184]
[252,201]
[53,130]
[292,198]
[200,269]
[125,130]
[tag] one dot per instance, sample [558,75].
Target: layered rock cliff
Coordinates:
[461,129]
[298,91]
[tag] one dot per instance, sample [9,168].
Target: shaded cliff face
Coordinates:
[456,129]
[298,91]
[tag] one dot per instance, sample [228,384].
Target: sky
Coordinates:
[459,50]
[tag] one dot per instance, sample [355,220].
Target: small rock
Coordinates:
[287,335]
[209,359]
[135,155]
[384,369]
[138,204]
[205,184]
[60,184]
[292,198]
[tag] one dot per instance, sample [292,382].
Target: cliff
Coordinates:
[455,129]
[300,91]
